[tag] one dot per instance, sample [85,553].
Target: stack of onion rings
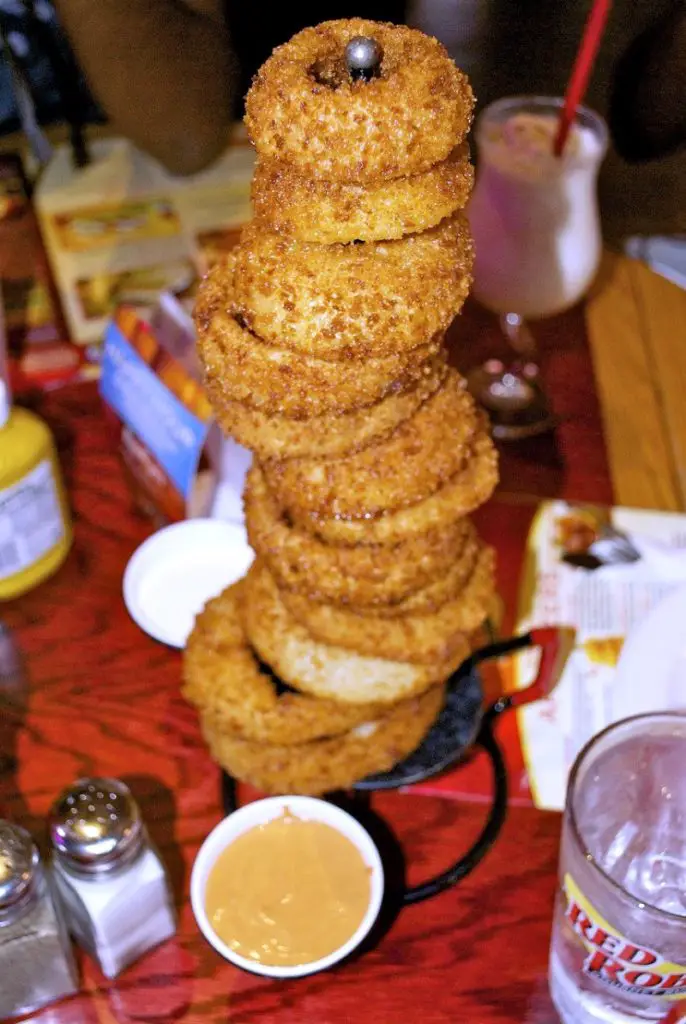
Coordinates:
[322,340]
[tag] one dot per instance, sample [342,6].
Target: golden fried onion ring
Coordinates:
[303,107]
[363,576]
[240,366]
[372,299]
[445,587]
[468,489]
[420,456]
[327,212]
[326,671]
[325,765]
[224,680]
[277,437]
[429,638]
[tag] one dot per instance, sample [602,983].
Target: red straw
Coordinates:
[581,72]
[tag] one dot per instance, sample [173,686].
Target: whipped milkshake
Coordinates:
[534,216]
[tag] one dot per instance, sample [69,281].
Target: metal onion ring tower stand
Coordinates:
[464,722]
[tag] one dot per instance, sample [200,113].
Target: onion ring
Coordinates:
[420,456]
[224,680]
[435,637]
[325,765]
[325,671]
[363,576]
[242,367]
[277,437]
[327,212]
[443,589]
[375,299]
[468,489]
[302,106]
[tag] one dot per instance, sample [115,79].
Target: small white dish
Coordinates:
[174,573]
[259,813]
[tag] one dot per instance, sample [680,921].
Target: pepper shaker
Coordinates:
[109,879]
[36,962]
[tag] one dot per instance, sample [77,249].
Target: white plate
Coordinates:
[651,674]
[174,573]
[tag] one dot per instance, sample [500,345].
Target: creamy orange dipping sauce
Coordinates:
[288,892]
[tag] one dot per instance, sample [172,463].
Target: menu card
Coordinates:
[540,741]
[603,606]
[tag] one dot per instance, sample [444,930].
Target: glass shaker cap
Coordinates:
[96,826]
[19,865]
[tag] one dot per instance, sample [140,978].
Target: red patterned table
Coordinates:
[104,698]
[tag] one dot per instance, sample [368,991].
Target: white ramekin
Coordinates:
[259,813]
[176,571]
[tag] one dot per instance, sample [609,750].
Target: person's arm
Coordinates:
[648,104]
[162,70]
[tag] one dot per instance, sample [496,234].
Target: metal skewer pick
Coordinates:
[363,57]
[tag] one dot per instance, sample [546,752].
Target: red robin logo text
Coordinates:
[618,962]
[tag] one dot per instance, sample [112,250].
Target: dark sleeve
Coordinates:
[647,113]
[42,56]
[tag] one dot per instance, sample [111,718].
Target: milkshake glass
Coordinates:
[536,228]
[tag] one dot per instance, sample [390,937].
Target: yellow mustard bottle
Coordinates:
[35,525]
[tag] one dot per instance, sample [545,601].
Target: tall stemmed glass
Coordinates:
[534,218]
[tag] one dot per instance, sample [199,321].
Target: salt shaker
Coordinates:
[36,962]
[110,880]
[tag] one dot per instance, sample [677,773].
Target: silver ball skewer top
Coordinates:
[363,57]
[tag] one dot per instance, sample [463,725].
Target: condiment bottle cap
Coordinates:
[96,827]
[19,866]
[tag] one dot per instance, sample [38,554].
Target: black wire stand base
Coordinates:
[461,726]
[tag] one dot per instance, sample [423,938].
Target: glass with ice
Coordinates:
[618,950]
[534,218]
